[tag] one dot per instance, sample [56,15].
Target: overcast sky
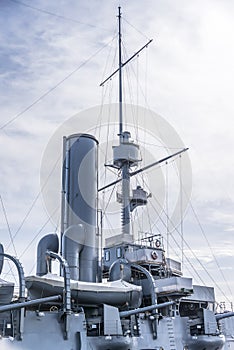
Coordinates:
[53,57]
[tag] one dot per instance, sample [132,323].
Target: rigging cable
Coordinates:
[145,36]
[54,87]
[8,226]
[190,249]
[30,209]
[130,89]
[177,244]
[37,234]
[36,198]
[56,15]
[104,210]
[104,89]
[181,212]
[99,125]
[182,191]
[211,250]
[167,210]
[11,238]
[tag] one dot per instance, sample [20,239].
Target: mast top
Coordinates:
[120,80]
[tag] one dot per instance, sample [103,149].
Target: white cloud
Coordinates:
[190,76]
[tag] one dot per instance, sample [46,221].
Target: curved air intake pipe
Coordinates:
[121,269]
[48,242]
[79,206]
[73,243]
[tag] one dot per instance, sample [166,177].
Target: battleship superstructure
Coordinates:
[133,297]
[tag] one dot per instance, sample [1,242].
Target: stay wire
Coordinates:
[178,246]
[50,13]
[211,250]
[40,230]
[11,238]
[36,198]
[8,226]
[54,87]
[193,254]
[141,33]
[182,191]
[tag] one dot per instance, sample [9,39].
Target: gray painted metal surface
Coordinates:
[79,216]
[48,242]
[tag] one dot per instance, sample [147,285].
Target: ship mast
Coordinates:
[123,137]
[120,79]
[126,153]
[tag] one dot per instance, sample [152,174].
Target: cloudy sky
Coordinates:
[53,58]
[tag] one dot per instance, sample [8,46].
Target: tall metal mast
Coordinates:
[120,79]
[126,154]
[123,138]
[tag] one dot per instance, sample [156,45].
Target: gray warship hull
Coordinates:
[44,331]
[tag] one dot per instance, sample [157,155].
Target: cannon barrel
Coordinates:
[16,306]
[146,308]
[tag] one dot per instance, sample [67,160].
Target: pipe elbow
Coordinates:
[48,242]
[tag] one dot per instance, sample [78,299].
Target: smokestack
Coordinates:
[79,206]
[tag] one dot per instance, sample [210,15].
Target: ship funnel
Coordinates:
[79,206]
